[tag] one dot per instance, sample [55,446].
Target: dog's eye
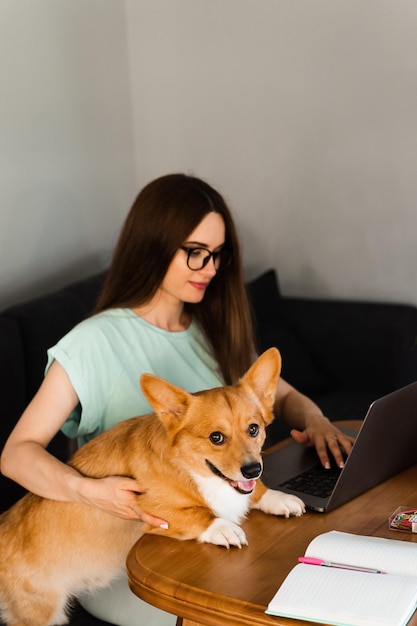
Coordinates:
[253,430]
[217,438]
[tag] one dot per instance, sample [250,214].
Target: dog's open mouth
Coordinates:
[242,486]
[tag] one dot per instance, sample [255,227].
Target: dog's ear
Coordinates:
[263,376]
[168,401]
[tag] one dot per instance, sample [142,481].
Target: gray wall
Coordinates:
[302,112]
[66,149]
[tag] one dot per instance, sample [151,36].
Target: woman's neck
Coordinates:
[168,316]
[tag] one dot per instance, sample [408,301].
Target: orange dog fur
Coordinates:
[199,455]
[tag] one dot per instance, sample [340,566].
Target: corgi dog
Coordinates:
[199,456]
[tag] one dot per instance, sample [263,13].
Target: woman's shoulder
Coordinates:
[96,340]
[106,319]
[103,324]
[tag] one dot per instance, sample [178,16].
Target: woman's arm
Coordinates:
[309,426]
[26,461]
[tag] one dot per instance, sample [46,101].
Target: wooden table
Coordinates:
[209,585]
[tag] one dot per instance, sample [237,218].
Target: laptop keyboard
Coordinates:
[315,481]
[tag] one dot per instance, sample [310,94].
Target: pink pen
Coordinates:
[313,561]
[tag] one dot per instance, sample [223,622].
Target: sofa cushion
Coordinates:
[360,346]
[12,382]
[272,328]
[43,321]
[345,405]
[12,370]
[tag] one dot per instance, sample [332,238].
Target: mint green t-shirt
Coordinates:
[105,355]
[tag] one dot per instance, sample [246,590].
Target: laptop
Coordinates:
[385,445]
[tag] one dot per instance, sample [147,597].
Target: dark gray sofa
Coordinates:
[343,354]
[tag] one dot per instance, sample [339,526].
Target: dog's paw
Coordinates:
[223,532]
[279,503]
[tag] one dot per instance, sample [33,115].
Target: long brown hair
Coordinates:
[163,215]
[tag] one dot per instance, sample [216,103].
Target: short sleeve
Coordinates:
[88,360]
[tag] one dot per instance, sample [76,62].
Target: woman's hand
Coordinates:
[117,495]
[325,437]
[309,426]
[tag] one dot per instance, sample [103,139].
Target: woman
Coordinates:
[174,304]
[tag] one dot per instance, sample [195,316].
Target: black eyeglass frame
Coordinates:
[221,258]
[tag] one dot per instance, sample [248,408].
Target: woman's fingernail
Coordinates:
[164,525]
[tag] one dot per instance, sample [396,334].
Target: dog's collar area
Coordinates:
[244,487]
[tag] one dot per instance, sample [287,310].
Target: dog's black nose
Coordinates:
[251,470]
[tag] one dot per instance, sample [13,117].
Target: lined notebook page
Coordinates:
[344,597]
[390,555]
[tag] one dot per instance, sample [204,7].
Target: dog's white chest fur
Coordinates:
[224,501]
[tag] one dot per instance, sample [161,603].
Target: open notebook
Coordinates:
[347,590]
[385,445]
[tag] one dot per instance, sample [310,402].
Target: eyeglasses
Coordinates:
[197,258]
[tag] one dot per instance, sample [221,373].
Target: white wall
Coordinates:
[304,114]
[66,149]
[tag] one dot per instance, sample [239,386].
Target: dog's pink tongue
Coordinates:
[246,485]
